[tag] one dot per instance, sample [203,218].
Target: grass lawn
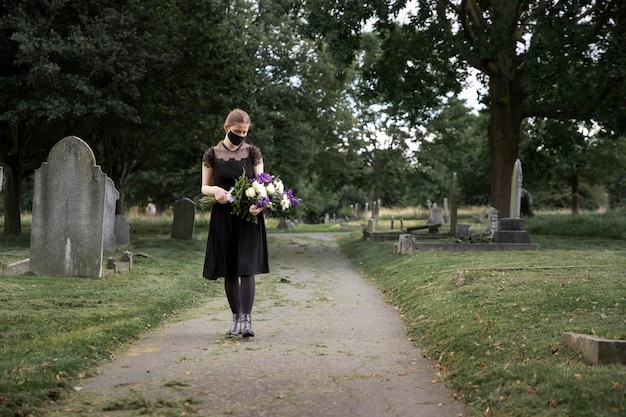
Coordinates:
[497,339]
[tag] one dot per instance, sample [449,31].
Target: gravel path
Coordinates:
[325,345]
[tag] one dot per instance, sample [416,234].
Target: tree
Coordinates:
[301,118]
[136,79]
[452,142]
[555,59]
[68,66]
[561,153]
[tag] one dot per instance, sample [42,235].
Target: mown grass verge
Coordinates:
[497,339]
[54,330]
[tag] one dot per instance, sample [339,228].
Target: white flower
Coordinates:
[280,188]
[271,189]
[285,203]
[229,195]
[250,192]
[259,188]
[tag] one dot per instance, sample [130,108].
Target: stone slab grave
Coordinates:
[70,212]
[596,350]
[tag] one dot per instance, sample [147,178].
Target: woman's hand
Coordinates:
[221,195]
[254,210]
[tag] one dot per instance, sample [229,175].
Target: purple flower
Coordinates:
[292,199]
[264,178]
[263,202]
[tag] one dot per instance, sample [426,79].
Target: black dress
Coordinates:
[235,247]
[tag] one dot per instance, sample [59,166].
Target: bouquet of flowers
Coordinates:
[265,191]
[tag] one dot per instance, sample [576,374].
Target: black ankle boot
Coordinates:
[246,326]
[235,330]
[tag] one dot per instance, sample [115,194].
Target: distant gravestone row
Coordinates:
[501,233]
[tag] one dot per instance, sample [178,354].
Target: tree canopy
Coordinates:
[547,59]
[148,83]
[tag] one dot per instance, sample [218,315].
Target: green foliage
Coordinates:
[547,59]
[569,164]
[497,339]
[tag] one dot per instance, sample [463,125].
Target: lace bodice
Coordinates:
[227,165]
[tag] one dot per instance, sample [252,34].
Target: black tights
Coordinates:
[240,293]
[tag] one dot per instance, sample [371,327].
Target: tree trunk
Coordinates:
[12,213]
[504,127]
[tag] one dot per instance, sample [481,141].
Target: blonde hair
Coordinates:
[238,116]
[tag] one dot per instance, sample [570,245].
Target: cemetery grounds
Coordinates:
[496,339]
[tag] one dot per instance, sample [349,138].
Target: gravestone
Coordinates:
[516,190]
[526,204]
[184,219]
[151,210]
[429,206]
[68,212]
[405,244]
[437,215]
[453,204]
[511,229]
[493,221]
[121,230]
[110,201]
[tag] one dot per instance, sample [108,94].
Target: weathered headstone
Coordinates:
[376,212]
[68,212]
[184,219]
[429,206]
[437,215]
[405,244]
[453,204]
[493,220]
[122,231]
[516,190]
[446,215]
[110,201]
[151,209]
[511,229]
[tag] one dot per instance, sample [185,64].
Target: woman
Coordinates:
[236,248]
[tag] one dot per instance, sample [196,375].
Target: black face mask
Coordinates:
[235,139]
